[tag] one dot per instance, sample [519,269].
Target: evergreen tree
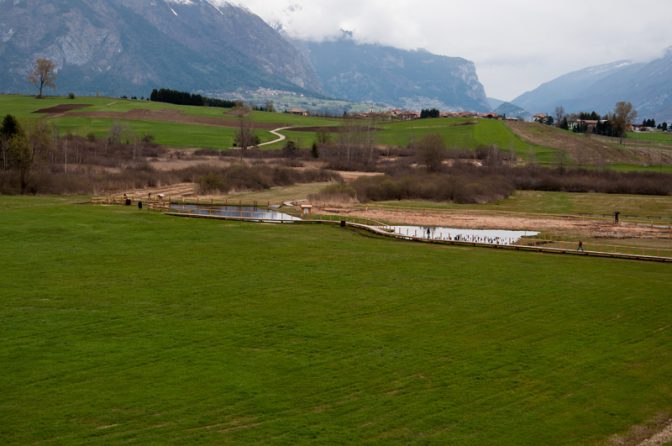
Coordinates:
[9,128]
[430,113]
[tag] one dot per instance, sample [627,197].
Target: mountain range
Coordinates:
[412,79]
[647,85]
[129,47]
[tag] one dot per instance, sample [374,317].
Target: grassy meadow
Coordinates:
[462,134]
[121,326]
[181,132]
[651,136]
[457,133]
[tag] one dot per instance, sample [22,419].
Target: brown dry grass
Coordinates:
[576,226]
[590,149]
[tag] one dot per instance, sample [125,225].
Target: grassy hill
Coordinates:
[122,326]
[215,128]
[179,129]
[633,153]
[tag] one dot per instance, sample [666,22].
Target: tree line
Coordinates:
[183,98]
[430,113]
[614,124]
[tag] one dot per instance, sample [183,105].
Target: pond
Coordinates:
[487,236]
[248,213]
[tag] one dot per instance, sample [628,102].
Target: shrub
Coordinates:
[211,183]
[339,192]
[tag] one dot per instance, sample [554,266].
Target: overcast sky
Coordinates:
[516,44]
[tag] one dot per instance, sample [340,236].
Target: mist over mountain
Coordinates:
[647,85]
[131,46]
[412,79]
[494,103]
[512,111]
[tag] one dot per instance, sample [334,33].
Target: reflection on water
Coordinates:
[488,236]
[249,213]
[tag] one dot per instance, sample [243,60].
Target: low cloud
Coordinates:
[516,44]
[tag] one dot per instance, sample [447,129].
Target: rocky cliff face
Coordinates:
[131,46]
[413,79]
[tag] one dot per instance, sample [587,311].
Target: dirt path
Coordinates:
[277,133]
[661,438]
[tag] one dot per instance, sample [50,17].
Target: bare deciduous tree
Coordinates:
[559,115]
[431,151]
[244,136]
[43,75]
[623,117]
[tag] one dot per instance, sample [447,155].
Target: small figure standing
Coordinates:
[580,247]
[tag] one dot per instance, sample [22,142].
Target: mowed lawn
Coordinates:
[120,326]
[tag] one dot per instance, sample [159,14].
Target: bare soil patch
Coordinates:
[173,116]
[656,433]
[574,225]
[661,438]
[62,108]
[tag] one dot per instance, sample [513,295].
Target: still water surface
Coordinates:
[488,236]
[250,213]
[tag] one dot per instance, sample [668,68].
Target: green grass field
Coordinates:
[652,136]
[455,135]
[171,134]
[165,133]
[119,326]
[458,134]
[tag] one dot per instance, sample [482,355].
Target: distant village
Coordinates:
[579,123]
[582,125]
[409,115]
